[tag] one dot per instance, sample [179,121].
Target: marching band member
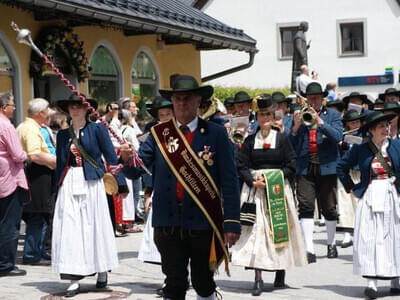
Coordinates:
[317,152]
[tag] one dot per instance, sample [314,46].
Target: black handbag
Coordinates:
[248,213]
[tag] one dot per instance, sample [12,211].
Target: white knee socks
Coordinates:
[211,297]
[373,284]
[74,285]
[347,238]
[331,230]
[307,225]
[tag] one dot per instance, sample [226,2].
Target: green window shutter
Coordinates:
[102,63]
[143,67]
[5,63]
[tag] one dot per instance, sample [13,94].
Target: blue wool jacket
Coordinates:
[223,171]
[95,139]
[328,137]
[362,156]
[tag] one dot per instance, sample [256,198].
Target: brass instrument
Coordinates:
[215,106]
[238,129]
[306,116]
[237,136]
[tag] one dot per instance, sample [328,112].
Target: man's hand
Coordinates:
[126,152]
[123,195]
[296,121]
[317,119]
[231,238]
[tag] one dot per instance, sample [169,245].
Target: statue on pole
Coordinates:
[300,47]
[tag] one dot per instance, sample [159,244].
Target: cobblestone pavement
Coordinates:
[326,279]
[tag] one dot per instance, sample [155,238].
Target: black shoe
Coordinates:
[40,262]
[160,292]
[46,256]
[72,293]
[395,291]
[102,284]
[311,258]
[370,293]
[332,251]
[348,244]
[279,279]
[14,272]
[258,288]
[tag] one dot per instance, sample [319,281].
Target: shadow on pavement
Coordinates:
[245,287]
[348,291]
[128,254]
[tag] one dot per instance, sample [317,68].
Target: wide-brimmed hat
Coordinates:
[389,91]
[378,101]
[188,84]
[362,97]
[314,88]
[374,118]
[241,97]
[229,102]
[352,115]
[391,106]
[158,103]
[340,105]
[73,99]
[264,103]
[279,97]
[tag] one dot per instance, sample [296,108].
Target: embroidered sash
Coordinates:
[275,197]
[197,182]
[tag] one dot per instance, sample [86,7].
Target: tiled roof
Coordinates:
[174,19]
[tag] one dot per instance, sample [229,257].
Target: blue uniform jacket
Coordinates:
[95,139]
[287,124]
[223,171]
[362,156]
[328,137]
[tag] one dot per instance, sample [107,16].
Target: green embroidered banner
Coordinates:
[275,197]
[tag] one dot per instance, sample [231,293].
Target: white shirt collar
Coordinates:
[192,124]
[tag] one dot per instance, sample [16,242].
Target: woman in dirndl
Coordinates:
[83,239]
[347,203]
[376,254]
[267,150]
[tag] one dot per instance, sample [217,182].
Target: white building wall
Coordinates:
[259,19]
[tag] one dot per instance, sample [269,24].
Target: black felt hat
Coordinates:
[340,105]
[241,97]
[389,91]
[229,102]
[279,97]
[374,118]
[73,99]
[188,84]
[158,103]
[362,97]
[314,88]
[391,106]
[352,115]
[264,103]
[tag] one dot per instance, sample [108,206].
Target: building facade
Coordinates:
[352,43]
[108,49]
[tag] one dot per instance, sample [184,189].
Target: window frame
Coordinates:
[279,28]
[119,78]
[351,22]
[16,77]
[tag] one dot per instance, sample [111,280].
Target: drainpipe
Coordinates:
[231,70]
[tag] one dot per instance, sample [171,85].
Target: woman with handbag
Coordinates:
[83,239]
[376,243]
[259,247]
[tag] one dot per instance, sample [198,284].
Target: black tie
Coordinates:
[185,130]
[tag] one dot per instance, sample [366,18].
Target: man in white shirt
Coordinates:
[303,80]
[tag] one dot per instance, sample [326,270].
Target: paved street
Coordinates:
[327,279]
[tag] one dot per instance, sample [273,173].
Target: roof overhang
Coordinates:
[205,35]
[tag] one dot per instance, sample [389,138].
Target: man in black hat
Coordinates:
[390,95]
[193,163]
[316,144]
[282,113]
[242,104]
[230,109]
[357,101]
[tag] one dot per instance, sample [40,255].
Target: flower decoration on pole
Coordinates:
[65,48]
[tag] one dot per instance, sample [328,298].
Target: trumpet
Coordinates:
[237,136]
[306,116]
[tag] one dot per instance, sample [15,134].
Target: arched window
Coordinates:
[6,70]
[144,84]
[103,84]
